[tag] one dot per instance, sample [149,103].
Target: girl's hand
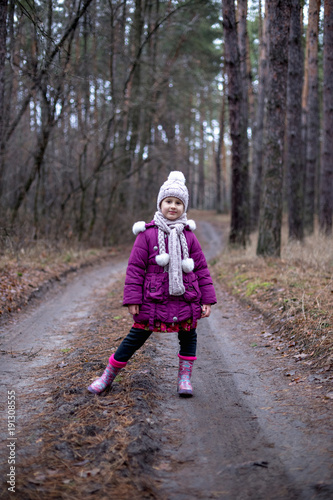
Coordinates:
[206,309]
[133,309]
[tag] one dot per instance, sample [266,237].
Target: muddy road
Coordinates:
[28,341]
[246,433]
[243,435]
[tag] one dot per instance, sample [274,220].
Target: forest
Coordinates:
[100,99]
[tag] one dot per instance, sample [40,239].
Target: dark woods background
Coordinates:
[100,99]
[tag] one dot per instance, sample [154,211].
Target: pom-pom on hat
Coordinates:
[174,186]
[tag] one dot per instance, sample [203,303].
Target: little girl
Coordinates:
[168,286]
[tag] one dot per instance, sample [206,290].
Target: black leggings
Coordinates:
[137,337]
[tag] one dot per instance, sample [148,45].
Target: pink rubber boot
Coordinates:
[109,374]
[184,375]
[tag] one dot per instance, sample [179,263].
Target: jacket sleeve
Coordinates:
[208,295]
[136,271]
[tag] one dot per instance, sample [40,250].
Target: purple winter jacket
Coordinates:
[147,283]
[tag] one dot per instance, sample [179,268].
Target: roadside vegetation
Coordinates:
[294,293]
[26,271]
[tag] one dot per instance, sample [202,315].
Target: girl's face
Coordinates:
[172,208]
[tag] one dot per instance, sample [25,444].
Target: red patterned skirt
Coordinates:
[159,326]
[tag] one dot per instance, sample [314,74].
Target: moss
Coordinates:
[253,286]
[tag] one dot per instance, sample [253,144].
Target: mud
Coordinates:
[249,432]
[28,340]
[35,340]
[245,433]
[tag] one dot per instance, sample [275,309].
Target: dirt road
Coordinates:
[246,434]
[243,435]
[29,341]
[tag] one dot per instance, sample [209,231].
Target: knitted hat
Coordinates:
[174,186]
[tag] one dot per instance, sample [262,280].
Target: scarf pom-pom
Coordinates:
[187,265]
[139,227]
[191,224]
[162,259]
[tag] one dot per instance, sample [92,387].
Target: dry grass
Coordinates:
[295,293]
[87,444]
[25,272]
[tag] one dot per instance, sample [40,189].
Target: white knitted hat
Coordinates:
[174,186]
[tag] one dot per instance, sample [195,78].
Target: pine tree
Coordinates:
[238,131]
[295,172]
[269,241]
[326,181]
[312,136]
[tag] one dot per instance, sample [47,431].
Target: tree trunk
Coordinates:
[201,169]
[238,132]
[269,241]
[259,126]
[242,45]
[251,97]
[3,40]
[220,199]
[312,136]
[305,92]
[136,81]
[294,125]
[243,57]
[38,160]
[326,181]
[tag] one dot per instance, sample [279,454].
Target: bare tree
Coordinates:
[101,100]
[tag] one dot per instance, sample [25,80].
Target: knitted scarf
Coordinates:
[177,243]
